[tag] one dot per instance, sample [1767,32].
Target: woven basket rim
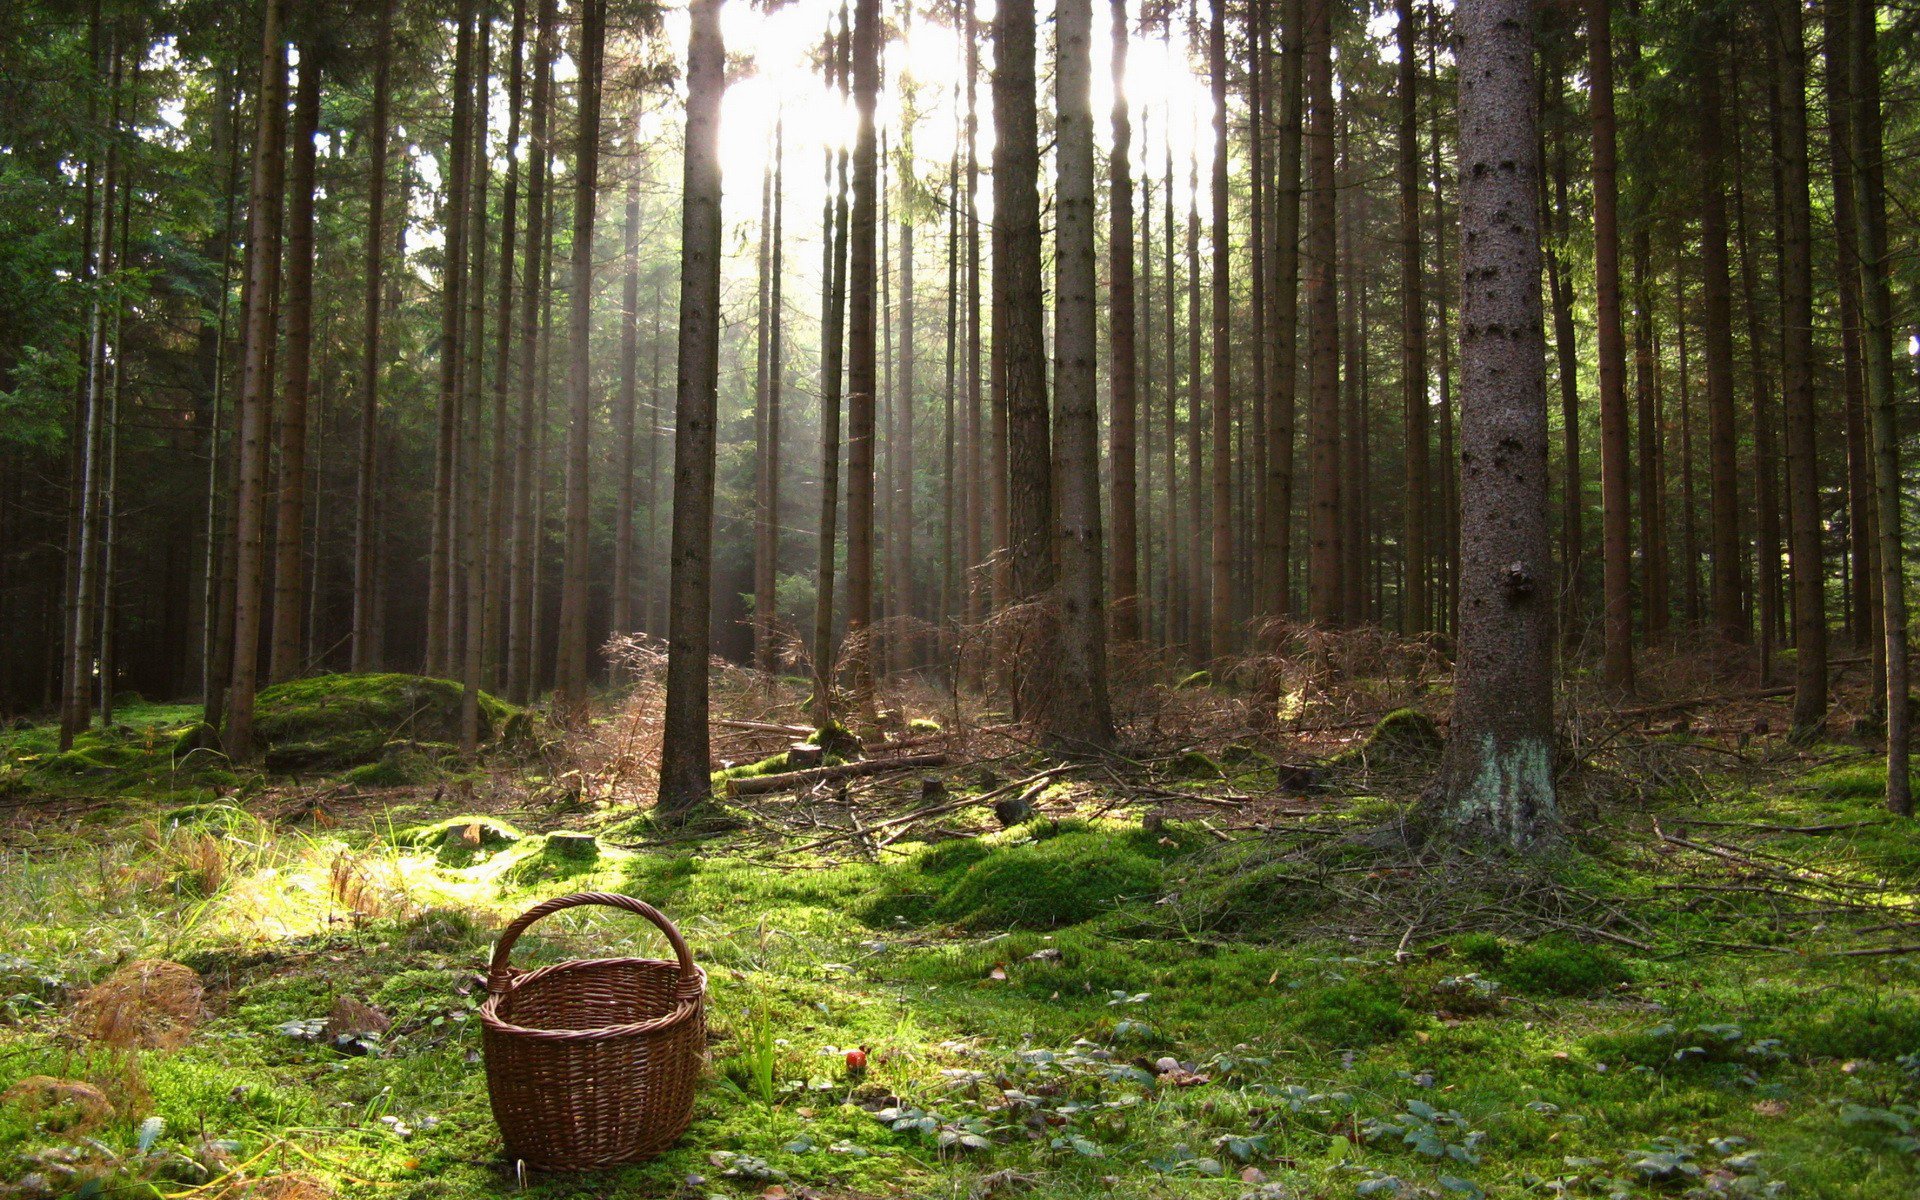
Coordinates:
[688,1003]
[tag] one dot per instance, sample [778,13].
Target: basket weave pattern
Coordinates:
[594,1062]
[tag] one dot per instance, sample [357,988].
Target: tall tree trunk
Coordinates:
[1765,456]
[467,618]
[1220,636]
[1178,571]
[901,584]
[443,553]
[522,579]
[1567,358]
[1078,718]
[975,471]
[1448,608]
[624,407]
[862,333]
[1020,336]
[1861,584]
[83,517]
[570,680]
[1256,567]
[833,274]
[364,654]
[684,764]
[1796,323]
[1413,330]
[1498,777]
[290,427]
[500,474]
[1870,213]
[1611,353]
[1283,308]
[1122,323]
[1689,524]
[766,542]
[256,385]
[1717,326]
[1199,614]
[1325,593]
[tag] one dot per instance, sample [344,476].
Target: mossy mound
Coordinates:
[330,722]
[1556,965]
[1035,877]
[459,842]
[1404,739]
[558,856]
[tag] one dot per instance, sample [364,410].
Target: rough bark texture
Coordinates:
[684,765]
[1283,312]
[1020,335]
[1729,618]
[256,385]
[1122,323]
[1870,215]
[1610,349]
[1323,319]
[1413,331]
[290,425]
[1221,611]
[365,652]
[1497,784]
[1796,378]
[1078,717]
[862,360]
[570,664]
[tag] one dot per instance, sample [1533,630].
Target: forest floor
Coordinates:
[1196,971]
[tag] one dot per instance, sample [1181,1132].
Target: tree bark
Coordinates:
[1020,338]
[1413,330]
[442,553]
[290,428]
[1796,323]
[1717,326]
[1498,777]
[684,761]
[1122,323]
[766,542]
[1283,308]
[570,679]
[1611,353]
[256,385]
[625,407]
[1325,592]
[1220,599]
[1079,718]
[833,327]
[862,333]
[1868,155]
[364,654]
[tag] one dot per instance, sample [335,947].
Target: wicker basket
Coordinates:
[594,1062]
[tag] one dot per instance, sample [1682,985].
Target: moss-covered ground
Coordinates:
[1079,1006]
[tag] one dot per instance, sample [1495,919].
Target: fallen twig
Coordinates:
[755,785]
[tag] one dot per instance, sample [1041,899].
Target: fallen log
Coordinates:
[934,810]
[757,785]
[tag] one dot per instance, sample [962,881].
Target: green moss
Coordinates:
[332,721]
[1071,876]
[1197,679]
[1192,764]
[462,841]
[554,859]
[1557,965]
[1483,950]
[1349,1015]
[773,764]
[923,725]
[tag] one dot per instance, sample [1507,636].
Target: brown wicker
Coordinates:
[594,1062]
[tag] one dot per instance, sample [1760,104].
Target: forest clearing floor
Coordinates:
[1195,971]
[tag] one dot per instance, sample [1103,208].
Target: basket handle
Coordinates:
[499,973]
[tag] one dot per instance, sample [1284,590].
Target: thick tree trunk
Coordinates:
[1611,354]
[1765,463]
[290,427]
[684,765]
[1573,499]
[570,678]
[1868,155]
[1020,338]
[1325,591]
[1498,778]
[1717,325]
[364,654]
[500,473]
[1199,614]
[625,407]
[522,580]
[833,326]
[1283,309]
[1123,323]
[766,540]
[1861,584]
[442,553]
[256,385]
[1220,635]
[1078,718]
[900,585]
[1796,323]
[467,618]
[1417,503]
[862,333]
[1178,619]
